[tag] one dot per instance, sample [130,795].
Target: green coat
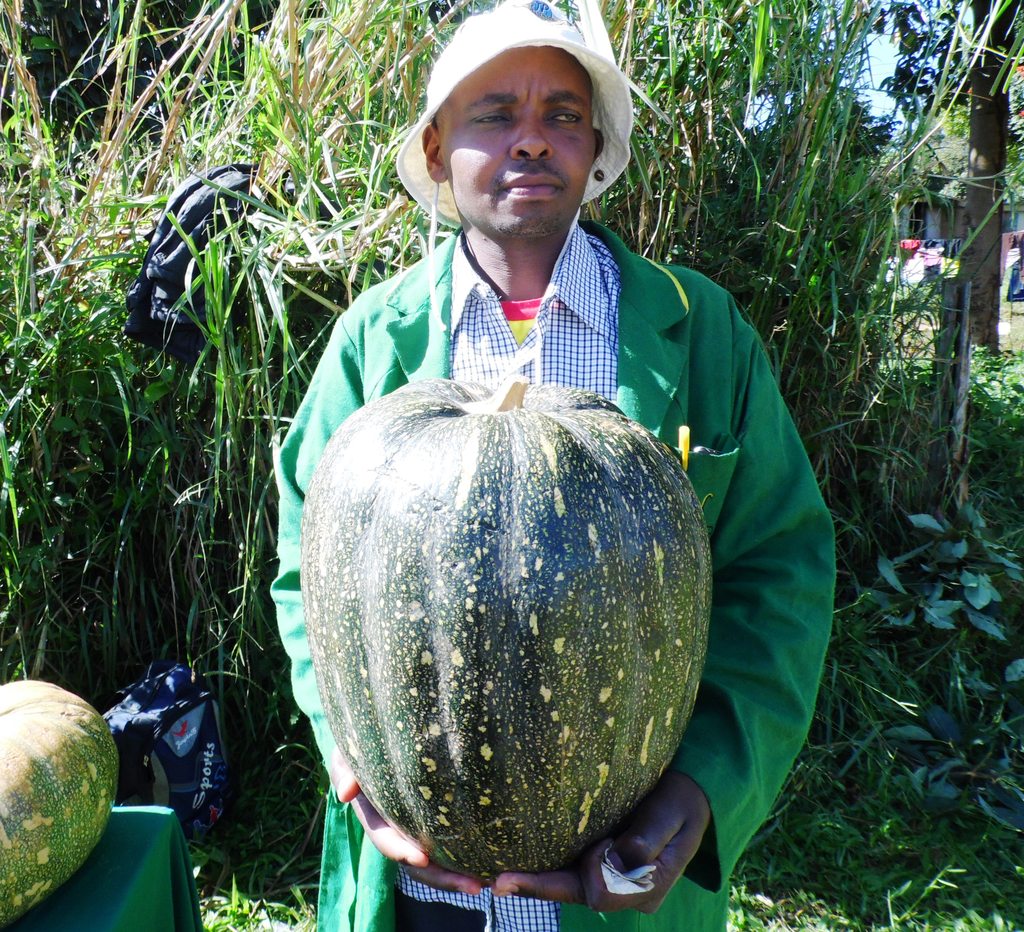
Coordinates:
[686,356]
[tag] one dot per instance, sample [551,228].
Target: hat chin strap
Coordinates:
[435,307]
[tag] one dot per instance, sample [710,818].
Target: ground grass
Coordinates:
[260,866]
[852,845]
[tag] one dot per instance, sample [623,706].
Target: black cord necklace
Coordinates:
[475,265]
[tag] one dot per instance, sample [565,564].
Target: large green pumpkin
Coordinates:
[58,776]
[507,613]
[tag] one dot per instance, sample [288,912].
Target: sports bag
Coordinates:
[168,736]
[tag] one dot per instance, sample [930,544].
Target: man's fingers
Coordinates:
[387,839]
[561,886]
[639,846]
[435,876]
[681,849]
[675,804]
[342,779]
[596,894]
[396,846]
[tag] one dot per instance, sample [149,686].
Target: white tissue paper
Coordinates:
[638,880]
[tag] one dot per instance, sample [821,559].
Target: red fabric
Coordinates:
[521,310]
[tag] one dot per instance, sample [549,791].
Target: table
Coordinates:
[138,877]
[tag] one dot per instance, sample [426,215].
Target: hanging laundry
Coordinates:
[929,260]
[932,259]
[912,272]
[1015,287]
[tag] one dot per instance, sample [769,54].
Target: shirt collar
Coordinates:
[577,274]
[572,282]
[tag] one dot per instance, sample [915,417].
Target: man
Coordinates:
[523,123]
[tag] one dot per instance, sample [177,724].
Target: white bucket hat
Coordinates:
[511,25]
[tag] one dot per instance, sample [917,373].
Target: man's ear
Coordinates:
[599,143]
[432,151]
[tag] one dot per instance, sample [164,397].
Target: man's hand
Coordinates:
[391,842]
[665,830]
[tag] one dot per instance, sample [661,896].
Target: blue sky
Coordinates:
[882,60]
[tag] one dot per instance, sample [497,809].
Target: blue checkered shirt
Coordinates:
[573,342]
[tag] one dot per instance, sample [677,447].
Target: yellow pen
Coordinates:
[684,445]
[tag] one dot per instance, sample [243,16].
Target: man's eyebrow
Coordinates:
[565,97]
[495,99]
[498,99]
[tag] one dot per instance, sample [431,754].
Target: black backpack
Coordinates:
[168,736]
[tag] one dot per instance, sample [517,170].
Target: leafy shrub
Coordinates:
[953,607]
[954,576]
[997,438]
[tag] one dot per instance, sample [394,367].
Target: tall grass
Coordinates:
[137,512]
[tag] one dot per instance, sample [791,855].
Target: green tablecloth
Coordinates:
[139,877]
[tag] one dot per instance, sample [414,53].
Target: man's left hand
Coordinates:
[665,830]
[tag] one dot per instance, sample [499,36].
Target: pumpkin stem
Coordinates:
[509,397]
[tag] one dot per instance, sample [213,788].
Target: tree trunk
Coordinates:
[947,486]
[989,121]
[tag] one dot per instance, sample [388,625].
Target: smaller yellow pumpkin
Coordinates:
[58,777]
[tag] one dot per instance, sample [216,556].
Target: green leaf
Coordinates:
[1012,817]
[951,551]
[978,589]
[943,725]
[926,523]
[937,614]
[900,621]
[942,789]
[156,390]
[888,573]
[1014,672]
[44,43]
[937,621]
[986,623]
[882,599]
[936,802]
[909,733]
[1010,567]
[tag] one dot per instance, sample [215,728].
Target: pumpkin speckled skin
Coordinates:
[507,615]
[58,776]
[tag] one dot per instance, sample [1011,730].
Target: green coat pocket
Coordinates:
[710,472]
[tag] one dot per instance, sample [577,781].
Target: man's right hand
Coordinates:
[391,842]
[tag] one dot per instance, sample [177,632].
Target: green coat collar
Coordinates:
[651,362]
[423,349]
[652,304]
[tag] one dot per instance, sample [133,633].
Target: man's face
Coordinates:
[516,140]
